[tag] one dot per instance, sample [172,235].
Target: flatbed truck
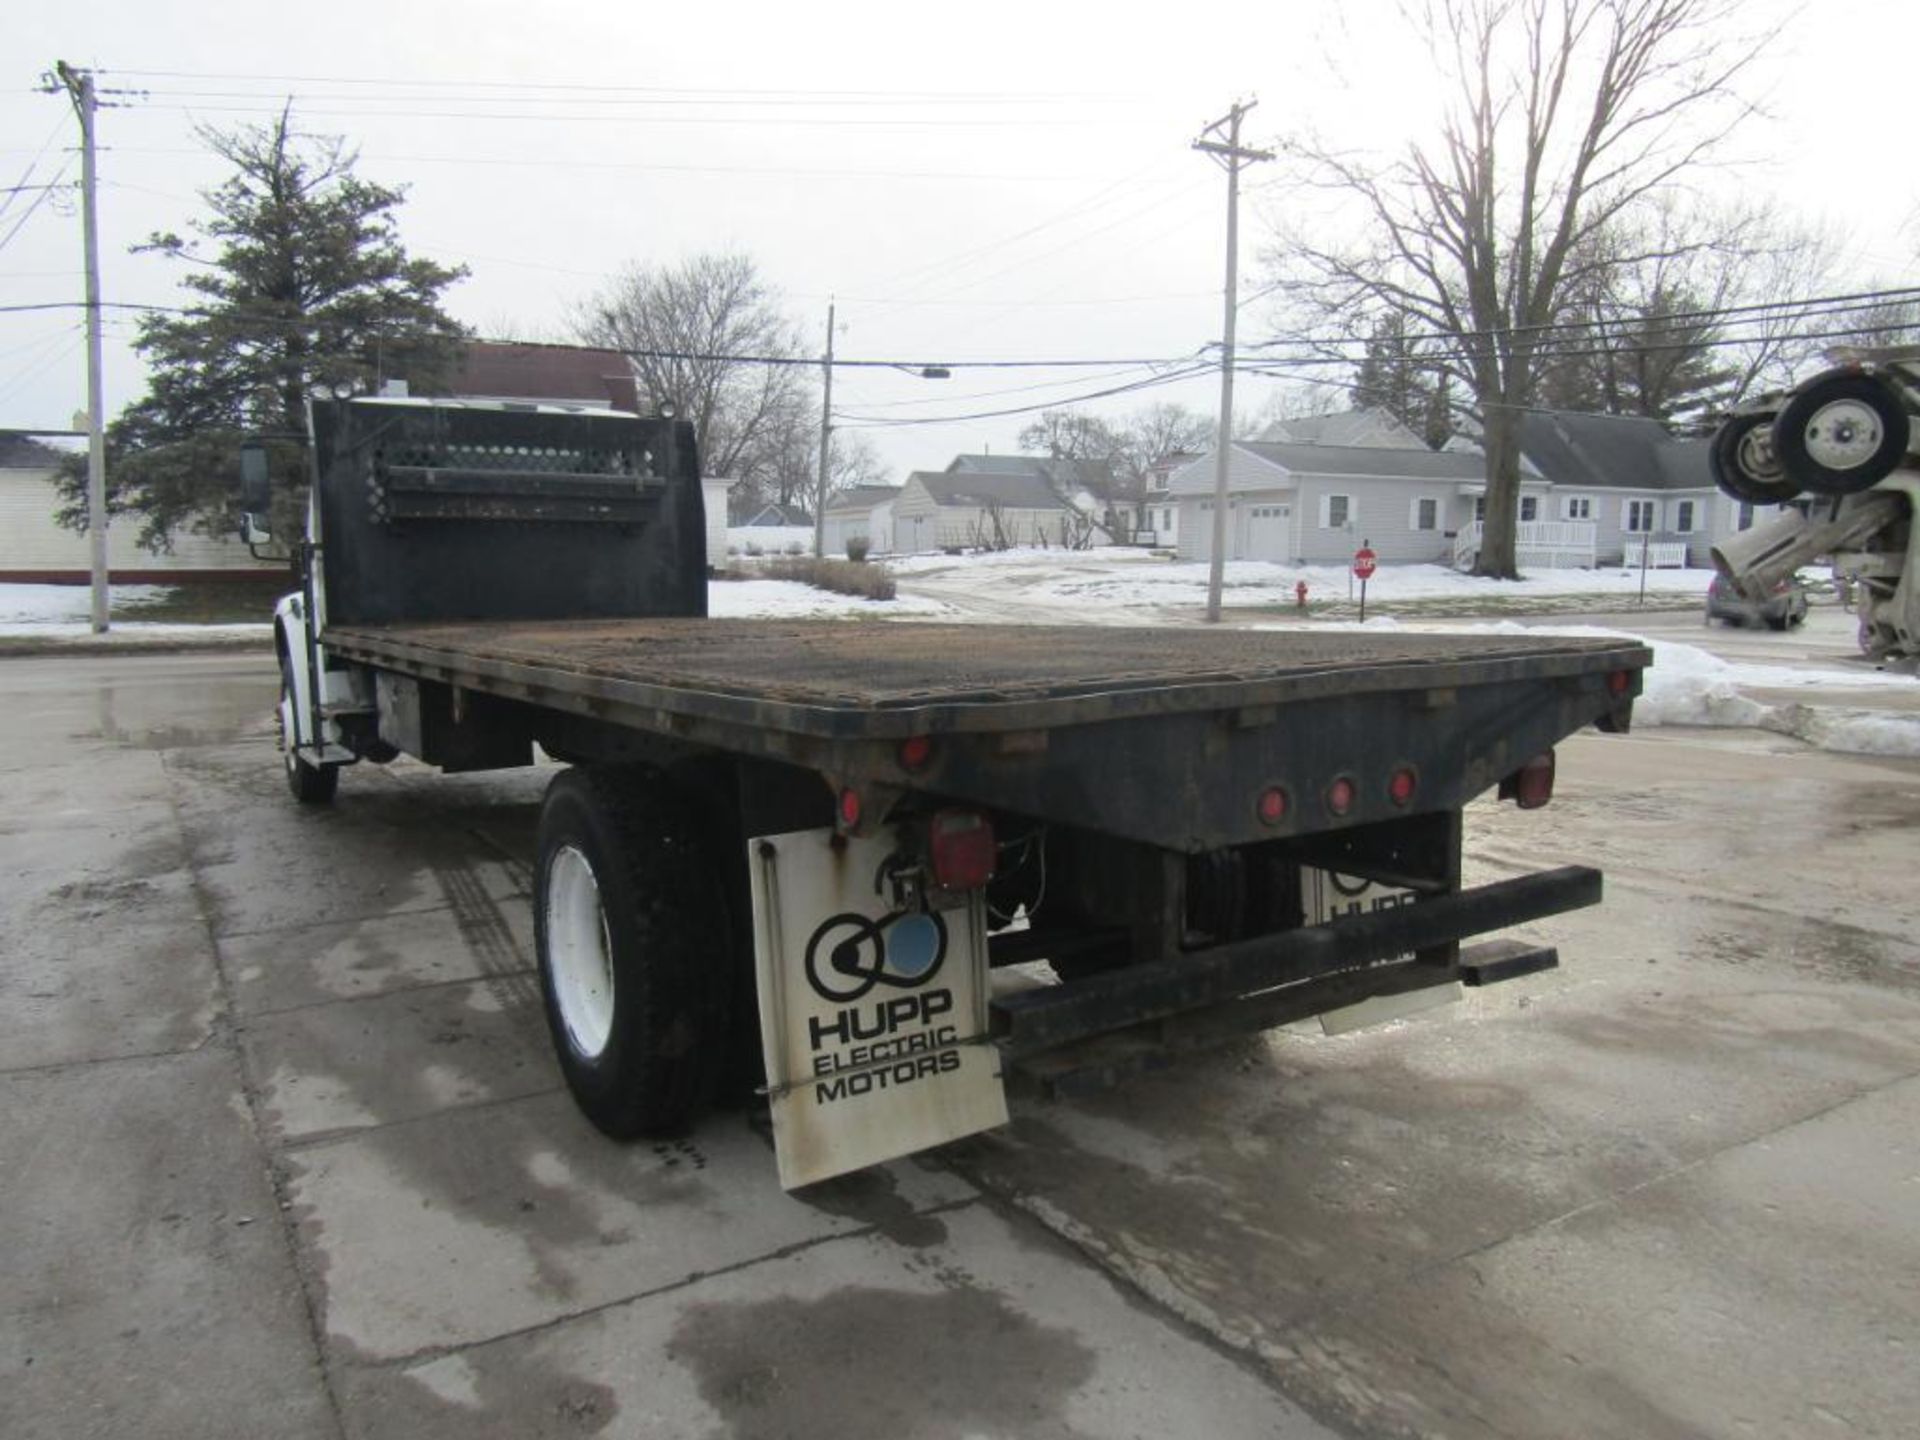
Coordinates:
[822,860]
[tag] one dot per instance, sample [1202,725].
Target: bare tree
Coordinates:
[1563,117]
[709,337]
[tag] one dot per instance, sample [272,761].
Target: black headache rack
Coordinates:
[432,510]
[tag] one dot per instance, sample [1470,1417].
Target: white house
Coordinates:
[1594,489]
[862,511]
[713,498]
[34,547]
[945,510]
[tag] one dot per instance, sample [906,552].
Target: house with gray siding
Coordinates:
[1316,504]
[861,512]
[1594,490]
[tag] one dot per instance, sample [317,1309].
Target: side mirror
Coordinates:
[253,529]
[256,487]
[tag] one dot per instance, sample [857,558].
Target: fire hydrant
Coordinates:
[1300,594]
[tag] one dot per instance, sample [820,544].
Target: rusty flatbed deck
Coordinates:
[837,679]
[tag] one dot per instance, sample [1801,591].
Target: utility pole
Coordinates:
[826,447]
[79,85]
[1230,155]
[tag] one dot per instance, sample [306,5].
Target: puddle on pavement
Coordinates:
[162,717]
[863,1363]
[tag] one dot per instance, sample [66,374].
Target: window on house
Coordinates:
[1335,511]
[1426,514]
[1529,507]
[1639,517]
[1577,507]
[1479,507]
[1683,516]
[1166,519]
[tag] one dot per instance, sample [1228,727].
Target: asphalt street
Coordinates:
[282,1150]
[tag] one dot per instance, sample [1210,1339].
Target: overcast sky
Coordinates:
[978,182]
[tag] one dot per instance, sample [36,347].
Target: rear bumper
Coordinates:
[1350,950]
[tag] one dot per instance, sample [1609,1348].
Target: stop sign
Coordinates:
[1364,561]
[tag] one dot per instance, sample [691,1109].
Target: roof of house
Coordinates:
[1366,428]
[1613,452]
[862,497]
[1018,492]
[23,452]
[546,372]
[1065,475]
[1417,463]
[778,515]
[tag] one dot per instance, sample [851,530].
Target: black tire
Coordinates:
[1809,426]
[662,904]
[310,784]
[1743,463]
[1776,622]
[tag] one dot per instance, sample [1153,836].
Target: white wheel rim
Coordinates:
[579,952]
[286,731]
[1844,435]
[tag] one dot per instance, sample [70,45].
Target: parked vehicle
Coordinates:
[1841,450]
[845,830]
[1786,606]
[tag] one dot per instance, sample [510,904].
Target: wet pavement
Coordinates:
[282,1150]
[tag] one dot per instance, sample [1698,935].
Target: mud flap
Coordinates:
[873,1006]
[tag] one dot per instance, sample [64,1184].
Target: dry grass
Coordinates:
[843,577]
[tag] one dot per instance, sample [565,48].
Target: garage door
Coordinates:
[1270,532]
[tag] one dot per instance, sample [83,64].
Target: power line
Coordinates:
[38,201]
[574,87]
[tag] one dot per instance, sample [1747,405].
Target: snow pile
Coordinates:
[790,600]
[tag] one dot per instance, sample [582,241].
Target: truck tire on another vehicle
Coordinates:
[633,936]
[1743,463]
[310,784]
[1841,434]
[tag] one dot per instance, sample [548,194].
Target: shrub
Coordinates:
[753,548]
[857,546]
[843,577]
[794,547]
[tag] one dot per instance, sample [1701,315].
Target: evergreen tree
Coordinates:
[307,287]
[1393,377]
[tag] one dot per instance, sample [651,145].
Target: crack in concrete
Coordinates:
[249,1091]
[799,1247]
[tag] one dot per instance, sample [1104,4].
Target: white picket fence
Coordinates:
[1544,544]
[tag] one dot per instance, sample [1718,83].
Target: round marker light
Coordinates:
[1272,805]
[1401,787]
[849,808]
[1340,796]
[915,752]
[1619,681]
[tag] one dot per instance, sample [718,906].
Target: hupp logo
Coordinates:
[850,954]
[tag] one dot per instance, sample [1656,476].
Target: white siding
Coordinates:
[713,495]
[30,540]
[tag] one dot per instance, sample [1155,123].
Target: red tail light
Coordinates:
[850,809]
[1531,786]
[962,849]
[1272,805]
[1340,796]
[1620,681]
[1401,787]
[915,752]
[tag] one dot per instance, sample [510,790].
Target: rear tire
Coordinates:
[1743,463]
[1842,433]
[310,784]
[634,941]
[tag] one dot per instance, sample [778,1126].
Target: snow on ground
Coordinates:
[1127,578]
[24,606]
[790,600]
[1689,686]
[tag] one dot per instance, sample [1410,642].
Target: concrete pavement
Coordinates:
[282,1150]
